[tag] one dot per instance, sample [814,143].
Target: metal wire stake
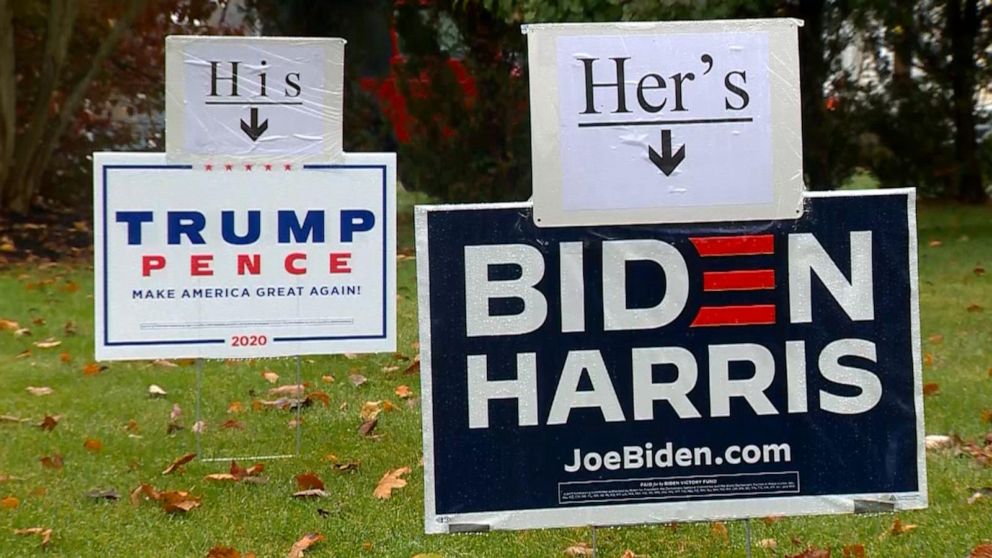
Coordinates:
[299,405]
[747,537]
[199,389]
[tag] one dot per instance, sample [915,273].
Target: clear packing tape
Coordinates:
[246,100]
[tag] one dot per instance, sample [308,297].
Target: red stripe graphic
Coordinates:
[748,245]
[742,280]
[710,316]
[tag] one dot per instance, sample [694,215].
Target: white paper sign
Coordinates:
[253,98]
[639,123]
[243,261]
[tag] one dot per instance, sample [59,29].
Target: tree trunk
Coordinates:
[812,74]
[8,91]
[19,188]
[962,29]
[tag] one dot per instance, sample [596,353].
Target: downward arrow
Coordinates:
[255,130]
[666,162]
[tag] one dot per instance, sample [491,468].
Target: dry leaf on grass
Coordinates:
[579,550]
[165,363]
[300,546]
[93,368]
[9,325]
[292,390]
[811,553]
[65,357]
[49,422]
[93,445]
[719,530]
[389,482]
[9,503]
[854,551]
[317,396]
[899,528]
[178,501]
[938,441]
[179,462]
[981,551]
[223,552]
[108,494]
[49,343]
[630,554]
[370,410]
[156,391]
[235,407]
[199,427]
[979,493]
[368,427]
[931,388]
[233,424]
[44,533]
[39,391]
[309,480]
[769,544]
[270,376]
[357,379]
[403,391]
[327,379]
[52,462]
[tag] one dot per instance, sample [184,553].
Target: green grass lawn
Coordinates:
[55,301]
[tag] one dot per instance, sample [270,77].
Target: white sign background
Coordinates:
[299,319]
[602,174]
[302,112]
[608,168]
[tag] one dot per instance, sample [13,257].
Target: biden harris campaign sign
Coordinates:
[235,260]
[651,373]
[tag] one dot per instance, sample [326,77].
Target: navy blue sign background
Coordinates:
[511,467]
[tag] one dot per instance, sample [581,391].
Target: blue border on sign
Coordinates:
[340,166]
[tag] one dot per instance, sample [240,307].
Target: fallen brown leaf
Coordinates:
[93,445]
[981,551]
[49,422]
[143,490]
[293,390]
[52,462]
[164,363]
[327,379]
[390,481]
[223,552]
[854,551]
[65,357]
[936,338]
[973,307]
[309,480]
[900,528]
[579,550]
[719,530]
[178,501]
[9,325]
[233,424]
[179,462]
[986,415]
[318,396]
[935,243]
[927,360]
[357,379]
[931,388]
[49,343]
[370,410]
[938,441]
[107,494]
[9,503]
[155,391]
[812,553]
[39,391]
[630,554]
[92,369]
[769,544]
[300,546]
[131,426]
[221,477]
[368,427]
[270,376]
[235,407]
[403,391]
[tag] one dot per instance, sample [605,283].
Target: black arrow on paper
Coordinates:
[256,130]
[666,162]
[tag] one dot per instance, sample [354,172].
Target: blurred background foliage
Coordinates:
[900,92]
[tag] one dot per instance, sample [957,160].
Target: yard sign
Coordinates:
[653,373]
